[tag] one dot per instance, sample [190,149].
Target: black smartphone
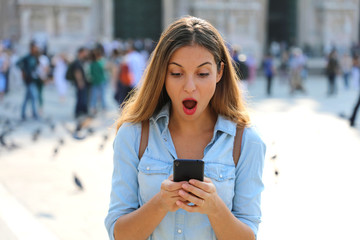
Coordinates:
[186,169]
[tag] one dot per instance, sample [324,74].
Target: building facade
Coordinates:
[60,25]
[252,25]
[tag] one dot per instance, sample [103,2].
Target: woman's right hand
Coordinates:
[169,194]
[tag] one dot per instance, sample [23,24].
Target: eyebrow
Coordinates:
[197,66]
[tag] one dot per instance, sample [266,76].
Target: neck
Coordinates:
[205,123]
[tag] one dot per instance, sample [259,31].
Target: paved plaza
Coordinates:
[316,155]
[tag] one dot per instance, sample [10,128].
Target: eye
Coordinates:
[175,74]
[204,74]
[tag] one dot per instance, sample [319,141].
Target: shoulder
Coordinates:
[127,138]
[252,141]
[252,135]
[129,129]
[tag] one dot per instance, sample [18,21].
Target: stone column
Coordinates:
[108,19]
[50,23]
[168,12]
[25,20]
[61,21]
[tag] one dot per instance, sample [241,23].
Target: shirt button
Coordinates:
[165,139]
[179,231]
[220,175]
[148,168]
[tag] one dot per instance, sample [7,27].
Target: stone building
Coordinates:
[62,25]
[317,25]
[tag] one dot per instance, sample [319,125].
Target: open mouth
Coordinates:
[189,106]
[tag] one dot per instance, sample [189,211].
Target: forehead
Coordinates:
[194,53]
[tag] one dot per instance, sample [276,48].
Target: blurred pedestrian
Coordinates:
[98,80]
[4,65]
[76,74]
[269,70]
[130,73]
[43,73]
[346,65]
[355,72]
[296,65]
[332,69]
[356,65]
[251,64]
[284,67]
[240,65]
[29,68]
[60,63]
[136,62]
[354,112]
[193,107]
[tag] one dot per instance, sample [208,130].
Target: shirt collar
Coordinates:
[222,124]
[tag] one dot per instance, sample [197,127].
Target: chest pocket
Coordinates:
[151,173]
[223,177]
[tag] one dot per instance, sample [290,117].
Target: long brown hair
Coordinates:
[152,95]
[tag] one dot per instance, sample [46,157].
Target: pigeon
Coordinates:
[2,139]
[56,151]
[13,146]
[78,183]
[61,141]
[105,137]
[36,134]
[101,147]
[90,131]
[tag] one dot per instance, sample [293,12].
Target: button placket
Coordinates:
[168,143]
[179,224]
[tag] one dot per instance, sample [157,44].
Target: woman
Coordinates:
[191,98]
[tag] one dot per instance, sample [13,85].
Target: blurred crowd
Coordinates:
[291,66]
[94,68]
[119,65]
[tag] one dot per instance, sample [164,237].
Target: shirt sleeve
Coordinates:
[124,190]
[249,185]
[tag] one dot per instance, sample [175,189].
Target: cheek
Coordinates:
[169,88]
[209,90]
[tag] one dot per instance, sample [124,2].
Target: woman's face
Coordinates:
[191,81]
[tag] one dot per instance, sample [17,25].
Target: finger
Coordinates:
[171,186]
[171,178]
[195,190]
[181,199]
[206,186]
[186,207]
[191,198]
[208,180]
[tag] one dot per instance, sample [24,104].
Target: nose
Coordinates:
[189,85]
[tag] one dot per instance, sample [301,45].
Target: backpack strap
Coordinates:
[144,137]
[237,144]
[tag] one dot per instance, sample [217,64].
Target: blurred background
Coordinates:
[64,68]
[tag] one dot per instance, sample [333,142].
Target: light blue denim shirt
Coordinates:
[135,182]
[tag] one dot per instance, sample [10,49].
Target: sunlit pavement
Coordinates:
[316,193]
[314,196]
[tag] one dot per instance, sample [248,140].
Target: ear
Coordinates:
[220,73]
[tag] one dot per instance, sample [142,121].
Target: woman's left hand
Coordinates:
[202,194]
